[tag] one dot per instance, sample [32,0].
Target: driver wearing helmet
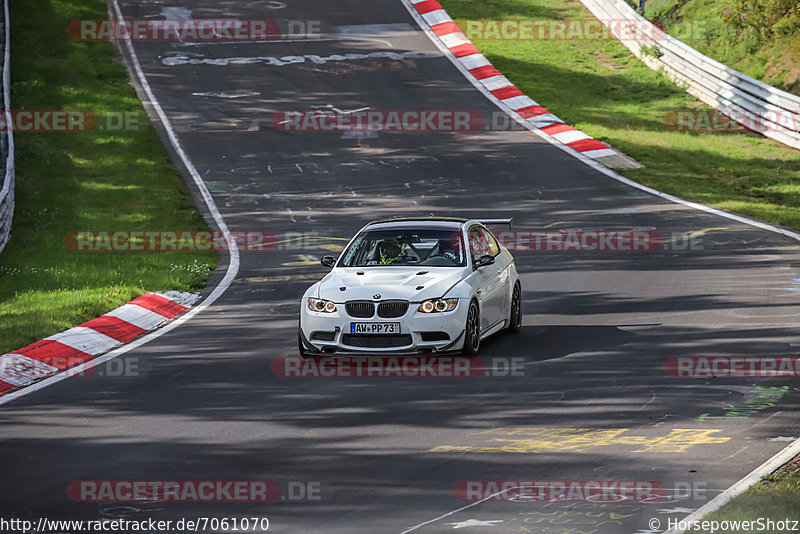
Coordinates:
[389,251]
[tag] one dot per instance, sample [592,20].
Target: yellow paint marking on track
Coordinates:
[329,237]
[304,260]
[537,440]
[332,248]
[704,231]
[573,517]
[680,439]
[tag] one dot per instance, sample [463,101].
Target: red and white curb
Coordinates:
[66,349]
[508,94]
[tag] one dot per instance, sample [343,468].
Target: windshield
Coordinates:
[406,246]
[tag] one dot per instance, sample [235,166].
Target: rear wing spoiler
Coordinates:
[487,222]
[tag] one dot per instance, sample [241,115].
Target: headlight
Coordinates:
[437,305]
[320,305]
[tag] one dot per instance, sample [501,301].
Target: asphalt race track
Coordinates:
[593,401]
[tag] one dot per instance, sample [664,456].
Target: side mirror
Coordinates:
[328,261]
[486,259]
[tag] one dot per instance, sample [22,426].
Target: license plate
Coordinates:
[374,328]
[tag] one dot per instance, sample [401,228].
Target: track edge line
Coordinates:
[233,251]
[767,468]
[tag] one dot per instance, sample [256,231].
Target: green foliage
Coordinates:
[763,20]
[757,37]
[652,51]
[760,21]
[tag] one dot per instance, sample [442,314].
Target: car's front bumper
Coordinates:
[330,333]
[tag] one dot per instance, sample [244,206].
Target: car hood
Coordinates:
[406,283]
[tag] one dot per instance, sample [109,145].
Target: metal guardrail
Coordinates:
[745,100]
[6,138]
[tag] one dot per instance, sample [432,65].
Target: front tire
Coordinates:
[472,330]
[515,316]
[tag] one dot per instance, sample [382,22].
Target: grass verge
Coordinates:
[774,497]
[69,181]
[601,88]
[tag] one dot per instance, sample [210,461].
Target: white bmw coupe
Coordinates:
[411,286]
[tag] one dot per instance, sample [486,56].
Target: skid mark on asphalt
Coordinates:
[172,59]
[268,4]
[348,68]
[299,168]
[539,440]
[227,94]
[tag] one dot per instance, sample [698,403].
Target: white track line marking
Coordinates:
[780,458]
[233,254]
[6,187]
[448,514]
